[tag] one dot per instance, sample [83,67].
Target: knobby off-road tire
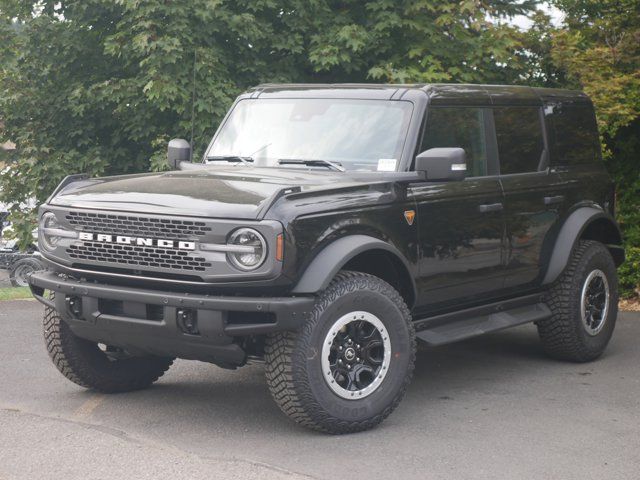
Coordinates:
[85,364]
[566,335]
[302,386]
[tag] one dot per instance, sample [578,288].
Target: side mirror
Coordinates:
[442,164]
[178,151]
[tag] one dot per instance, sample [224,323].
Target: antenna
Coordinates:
[193,104]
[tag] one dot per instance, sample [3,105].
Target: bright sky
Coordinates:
[556,17]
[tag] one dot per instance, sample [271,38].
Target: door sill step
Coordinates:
[454,327]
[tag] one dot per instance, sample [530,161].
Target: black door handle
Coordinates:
[553,200]
[492,207]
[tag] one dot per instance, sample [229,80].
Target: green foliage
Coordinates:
[624,164]
[629,273]
[600,51]
[535,54]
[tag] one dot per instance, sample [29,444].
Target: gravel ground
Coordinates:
[489,408]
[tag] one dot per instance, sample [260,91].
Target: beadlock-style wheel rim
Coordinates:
[594,302]
[355,355]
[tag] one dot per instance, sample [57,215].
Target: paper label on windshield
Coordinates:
[387,165]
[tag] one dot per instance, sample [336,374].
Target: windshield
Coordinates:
[313,133]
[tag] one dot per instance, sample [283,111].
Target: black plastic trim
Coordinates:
[471,322]
[324,267]
[569,235]
[290,311]
[133,329]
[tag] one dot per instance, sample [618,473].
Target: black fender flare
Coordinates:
[324,267]
[568,237]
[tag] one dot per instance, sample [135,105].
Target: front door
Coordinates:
[461,224]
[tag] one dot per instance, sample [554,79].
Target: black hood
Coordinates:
[210,191]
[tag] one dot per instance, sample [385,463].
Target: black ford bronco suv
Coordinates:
[329,227]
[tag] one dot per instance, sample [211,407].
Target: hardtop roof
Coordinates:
[438,93]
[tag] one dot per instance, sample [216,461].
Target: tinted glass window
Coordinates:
[519,135]
[459,127]
[357,134]
[575,134]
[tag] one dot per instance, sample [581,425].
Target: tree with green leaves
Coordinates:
[99,86]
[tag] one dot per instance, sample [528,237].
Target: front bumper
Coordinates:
[147,321]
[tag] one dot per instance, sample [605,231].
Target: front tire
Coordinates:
[584,306]
[349,366]
[86,364]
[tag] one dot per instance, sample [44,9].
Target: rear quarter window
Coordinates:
[574,134]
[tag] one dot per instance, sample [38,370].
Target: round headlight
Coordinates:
[48,222]
[251,249]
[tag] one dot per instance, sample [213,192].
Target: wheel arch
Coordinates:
[360,253]
[585,223]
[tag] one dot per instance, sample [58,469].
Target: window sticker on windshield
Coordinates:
[387,165]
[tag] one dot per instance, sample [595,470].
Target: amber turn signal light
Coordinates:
[280,247]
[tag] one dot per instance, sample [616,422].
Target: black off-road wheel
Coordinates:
[349,366]
[105,369]
[20,270]
[584,303]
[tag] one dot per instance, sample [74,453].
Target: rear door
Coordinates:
[461,224]
[534,194]
[575,152]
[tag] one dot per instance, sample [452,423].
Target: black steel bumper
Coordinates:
[147,321]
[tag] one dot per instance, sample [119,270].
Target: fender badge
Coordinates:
[409,216]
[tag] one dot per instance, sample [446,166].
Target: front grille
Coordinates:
[137,256]
[141,226]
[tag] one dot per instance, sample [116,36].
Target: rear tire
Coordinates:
[349,365]
[84,363]
[584,304]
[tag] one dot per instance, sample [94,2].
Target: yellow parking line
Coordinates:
[87,408]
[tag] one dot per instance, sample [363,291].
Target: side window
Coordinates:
[519,136]
[458,127]
[574,134]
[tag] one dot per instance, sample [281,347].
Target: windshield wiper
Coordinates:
[247,159]
[312,162]
[231,158]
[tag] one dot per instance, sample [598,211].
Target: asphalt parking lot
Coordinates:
[492,407]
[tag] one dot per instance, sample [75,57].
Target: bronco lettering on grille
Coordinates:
[140,241]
